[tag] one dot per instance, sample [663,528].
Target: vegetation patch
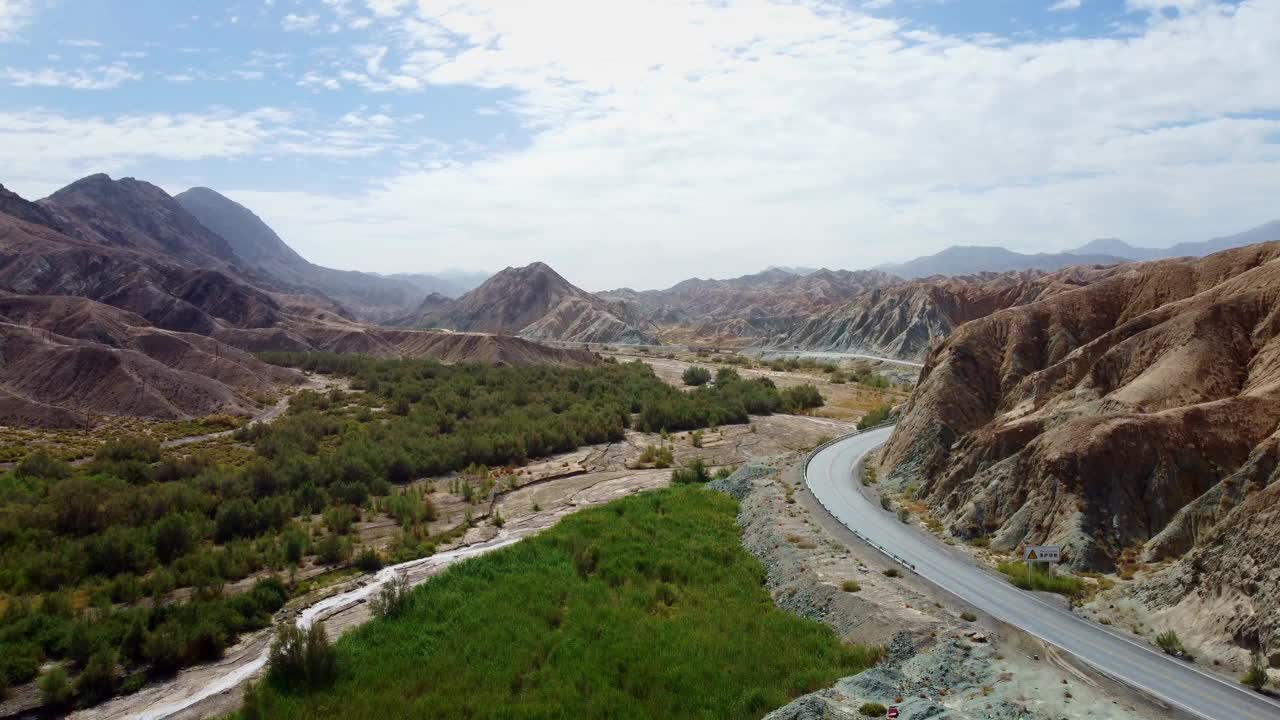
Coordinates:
[1042,580]
[645,607]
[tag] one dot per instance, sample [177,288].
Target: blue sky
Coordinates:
[639,143]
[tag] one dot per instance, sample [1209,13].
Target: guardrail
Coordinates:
[813,453]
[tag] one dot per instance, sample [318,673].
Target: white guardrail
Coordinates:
[812,453]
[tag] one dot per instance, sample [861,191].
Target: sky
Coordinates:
[637,143]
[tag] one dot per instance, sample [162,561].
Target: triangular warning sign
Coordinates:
[1031,555]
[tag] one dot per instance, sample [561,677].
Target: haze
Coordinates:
[642,143]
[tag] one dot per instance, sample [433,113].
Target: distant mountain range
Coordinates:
[974,259]
[1119,248]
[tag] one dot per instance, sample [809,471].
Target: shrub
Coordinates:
[892,572]
[873,709]
[1170,644]
[696,375]
[55,688]
[368,560]
[1256,677]
[850,586]
[695,438]
[1042,580]
[886,502]
[497,519]
[695,472]
[41,464]
[302,659]
[968,616]
[801,397]
[172,538]
[875,417]
[393,599]
[904,515]
[98,680]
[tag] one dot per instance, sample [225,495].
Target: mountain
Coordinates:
[108,308]
[1136,416]
[972,259]
[535,302]
[751,308]
[367,295]
[904,320]
[136,215]
[1262,233]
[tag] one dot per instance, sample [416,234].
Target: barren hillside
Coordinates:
[534,302]
[1138,413]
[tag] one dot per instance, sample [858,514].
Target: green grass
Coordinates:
[646,607]
[1042,580]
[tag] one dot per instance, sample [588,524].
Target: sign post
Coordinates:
[1040,553]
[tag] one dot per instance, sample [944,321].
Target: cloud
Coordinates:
[761,132]
[14,16]
[300,23]
[103,77]
[1062,5]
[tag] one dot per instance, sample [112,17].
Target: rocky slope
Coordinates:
[903,320]
[751,308]
[1135,416]
[368,296]
[67,359]
[536,303]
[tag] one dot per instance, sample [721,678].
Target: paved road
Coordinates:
[830,478]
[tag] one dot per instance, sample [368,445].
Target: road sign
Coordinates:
[1042,553]
[893,712]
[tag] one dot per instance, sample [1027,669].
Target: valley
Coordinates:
[209,440]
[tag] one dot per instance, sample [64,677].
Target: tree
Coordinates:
[98,680]
[801,397]
[696,375]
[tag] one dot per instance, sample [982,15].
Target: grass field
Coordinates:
[647,607]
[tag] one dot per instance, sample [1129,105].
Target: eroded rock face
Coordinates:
[1100,417]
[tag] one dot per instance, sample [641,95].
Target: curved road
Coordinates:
[829,475]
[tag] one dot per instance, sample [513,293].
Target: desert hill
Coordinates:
[536,303]
[1137,414]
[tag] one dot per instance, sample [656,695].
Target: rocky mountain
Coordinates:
[903,320]
[536,303]
[1119,248]
[107,308]
[971,260]
[748,309]
[369,296]
[136,215]
[1138,415]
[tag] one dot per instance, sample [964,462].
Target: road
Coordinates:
[830,477]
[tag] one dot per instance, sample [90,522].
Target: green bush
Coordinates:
[850,586]
[368,560]
[55,688]
[1256,676]
[302,659]
[875,417]
[696,375]
[801,397]
[393,599]
[1169,643]
[98,679]
[694,472]
[873,709]
[1042,580]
